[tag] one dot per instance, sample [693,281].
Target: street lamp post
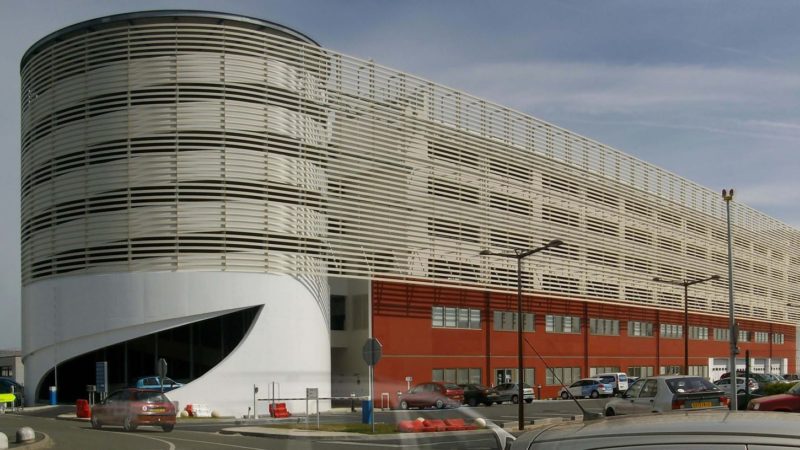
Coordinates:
[519,255]
[686,284]
[728,196]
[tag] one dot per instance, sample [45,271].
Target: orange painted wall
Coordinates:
[401,315]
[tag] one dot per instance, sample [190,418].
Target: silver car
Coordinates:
[667,393]
[509,392]
[725,385]
[687,430]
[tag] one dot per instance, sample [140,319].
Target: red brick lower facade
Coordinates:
[418,343]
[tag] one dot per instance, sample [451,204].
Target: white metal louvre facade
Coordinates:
[206,145]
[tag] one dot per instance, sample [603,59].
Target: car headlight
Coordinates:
[144,407]
[756,406]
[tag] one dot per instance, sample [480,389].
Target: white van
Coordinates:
[620,380]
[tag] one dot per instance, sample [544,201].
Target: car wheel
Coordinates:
[565,395]
[167,428]
[472,402]
[439,404]
[594,394]
[96,423]
[514,399]
[128,424]
[403,404]
[528,400]
[739,392]
[487,403]
[610,412]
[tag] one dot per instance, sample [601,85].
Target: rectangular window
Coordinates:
[444,317]
[460,375]
[722,334]
[636,328]
[698,333]
[761,337]
[607,327]
[450,317]
[595,370]
[698,371]
[672,331]
[338,308]
[777,338]
[507,321]
[640,371]
[670,370]
[744,336]
[567,375]
[437,317]
[562,324]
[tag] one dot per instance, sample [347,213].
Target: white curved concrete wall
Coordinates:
[288,343]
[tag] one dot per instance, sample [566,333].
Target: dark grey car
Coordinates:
[691,430]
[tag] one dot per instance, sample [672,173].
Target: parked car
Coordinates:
[134,407]
[762,378]
[9,386]
[786,402]
[725,385]
[433,393]
[686,430]
[620,380]
[153,382]
[478,393]
[509,392]
[588,388]
[791,377]
[666,393]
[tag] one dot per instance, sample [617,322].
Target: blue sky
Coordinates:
[709,90]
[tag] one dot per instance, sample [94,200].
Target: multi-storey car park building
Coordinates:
[222,192]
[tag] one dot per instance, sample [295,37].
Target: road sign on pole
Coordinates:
[372,351]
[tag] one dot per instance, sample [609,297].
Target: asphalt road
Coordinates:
[67,434]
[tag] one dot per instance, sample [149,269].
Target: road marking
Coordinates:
[171,445]
[216,443]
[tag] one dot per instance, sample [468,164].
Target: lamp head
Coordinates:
[555,243]
[656,279]
[714,277]
[485,252]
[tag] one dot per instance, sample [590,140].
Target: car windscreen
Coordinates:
[795,390]
[608,379]
[688,385]
[151,397]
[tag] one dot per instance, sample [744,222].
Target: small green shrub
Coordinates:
[776,388]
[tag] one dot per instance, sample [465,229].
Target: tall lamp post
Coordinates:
[686,284]
[728,196]
[519,255]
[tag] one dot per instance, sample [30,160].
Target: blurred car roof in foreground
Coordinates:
[690,430]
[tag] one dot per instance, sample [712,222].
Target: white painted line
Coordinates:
[215,444]
[171,445]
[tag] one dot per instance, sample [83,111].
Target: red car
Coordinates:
[433,393]
[133,407]
[788,402]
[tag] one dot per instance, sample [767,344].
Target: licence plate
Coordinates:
[700,405]
[158,410]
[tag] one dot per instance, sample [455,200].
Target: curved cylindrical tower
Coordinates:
[171,179]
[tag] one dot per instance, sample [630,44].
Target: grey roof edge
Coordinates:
[177,13]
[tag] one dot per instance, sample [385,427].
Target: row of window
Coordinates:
[470,318]
[457,375]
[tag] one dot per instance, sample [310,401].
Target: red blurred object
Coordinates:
[279,410]
[82,409]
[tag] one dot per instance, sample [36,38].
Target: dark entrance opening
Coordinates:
[190,350]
